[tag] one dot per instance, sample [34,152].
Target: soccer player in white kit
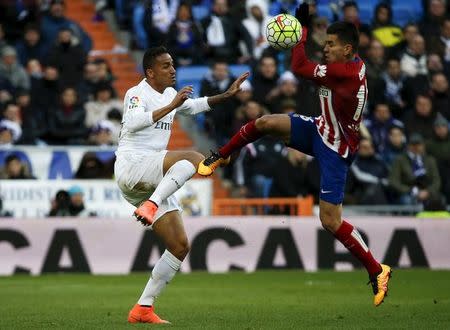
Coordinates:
[148,174]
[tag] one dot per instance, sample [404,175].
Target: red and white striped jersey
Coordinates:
[343,95]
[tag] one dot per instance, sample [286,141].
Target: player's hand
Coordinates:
[236,85]
[302,14]
[182,95]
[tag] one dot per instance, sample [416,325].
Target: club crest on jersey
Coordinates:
[320,71]
[134,102]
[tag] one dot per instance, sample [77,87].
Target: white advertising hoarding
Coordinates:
[31,198]
[218,244]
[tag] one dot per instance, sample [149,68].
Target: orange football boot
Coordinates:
[380,284]
[146,212]
[140,314]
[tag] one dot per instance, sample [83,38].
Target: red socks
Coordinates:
[247,134]
[353,241]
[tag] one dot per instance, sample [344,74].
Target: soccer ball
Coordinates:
[283,31]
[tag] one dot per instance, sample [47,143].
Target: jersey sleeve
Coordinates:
[194,106]
[328,75]
[136,115]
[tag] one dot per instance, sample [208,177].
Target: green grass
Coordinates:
[418,299]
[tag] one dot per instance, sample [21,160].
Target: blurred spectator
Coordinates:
[90,82]
[378,125]
[317,37]
[66,120]
[284,6]
[76,207]
[10,133]
[104,71]
[60,205]
[15,169]
[414,176]
[439,147]
[68,57]
[294,184]
[287,88]
[384,30]
[431,23]
[440,44]
[414,60]
[29,125]
[365,36]
[55,20]
[410,30]
[422,118]
[12,113]
[350,13]
[190,203]
[114,116]
[91,167]
[393,85]
[157,17]
[44,96]
[101,134]
[247,112]
[255,24]
[375,67]
[216,81]
[30,46]
[3,42]
[104,102]
[255,165]
[395,146]
[222,35]
[15,15]
[440,94]
[265,79]
[184,39]
[367,177]
[13,71]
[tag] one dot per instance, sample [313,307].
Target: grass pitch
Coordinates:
[419,299]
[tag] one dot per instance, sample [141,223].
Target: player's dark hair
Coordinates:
[150,56]
[346,32]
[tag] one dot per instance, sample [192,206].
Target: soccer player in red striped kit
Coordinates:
[332,138]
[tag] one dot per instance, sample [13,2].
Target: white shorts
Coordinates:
[138,176]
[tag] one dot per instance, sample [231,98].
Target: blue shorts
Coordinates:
[333,167]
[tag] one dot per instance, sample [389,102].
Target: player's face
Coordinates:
[163,71]
[335,50]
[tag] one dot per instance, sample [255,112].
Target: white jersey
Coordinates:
[139,134]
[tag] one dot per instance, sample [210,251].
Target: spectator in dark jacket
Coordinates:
[367,177]
[66,120]
[265,79]
[414,176]
[440,94]
[68,57]
[55,20]
[184,39]
[215,82]
[31,46]
[222,35]
[395,146]
[378,125]
[421,119]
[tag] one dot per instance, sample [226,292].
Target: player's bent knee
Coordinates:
[180,249]
[195,157]
[329,221]
[265,123]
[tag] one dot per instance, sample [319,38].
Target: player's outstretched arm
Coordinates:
[230,92]
[182,95]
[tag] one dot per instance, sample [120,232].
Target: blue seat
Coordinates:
[324,10]
[403,14]
[366,13]
[200,12]
[191,75]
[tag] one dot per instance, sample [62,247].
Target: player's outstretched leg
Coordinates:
[247,134]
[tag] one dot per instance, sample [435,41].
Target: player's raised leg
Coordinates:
[277,125]
[171,230]
[178,167]
[331,218]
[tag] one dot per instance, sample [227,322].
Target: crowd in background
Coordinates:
[404,156]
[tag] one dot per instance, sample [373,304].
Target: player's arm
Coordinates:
[137,117]
[194,106]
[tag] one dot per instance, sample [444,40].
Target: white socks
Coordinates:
[173,180]
[164,270]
